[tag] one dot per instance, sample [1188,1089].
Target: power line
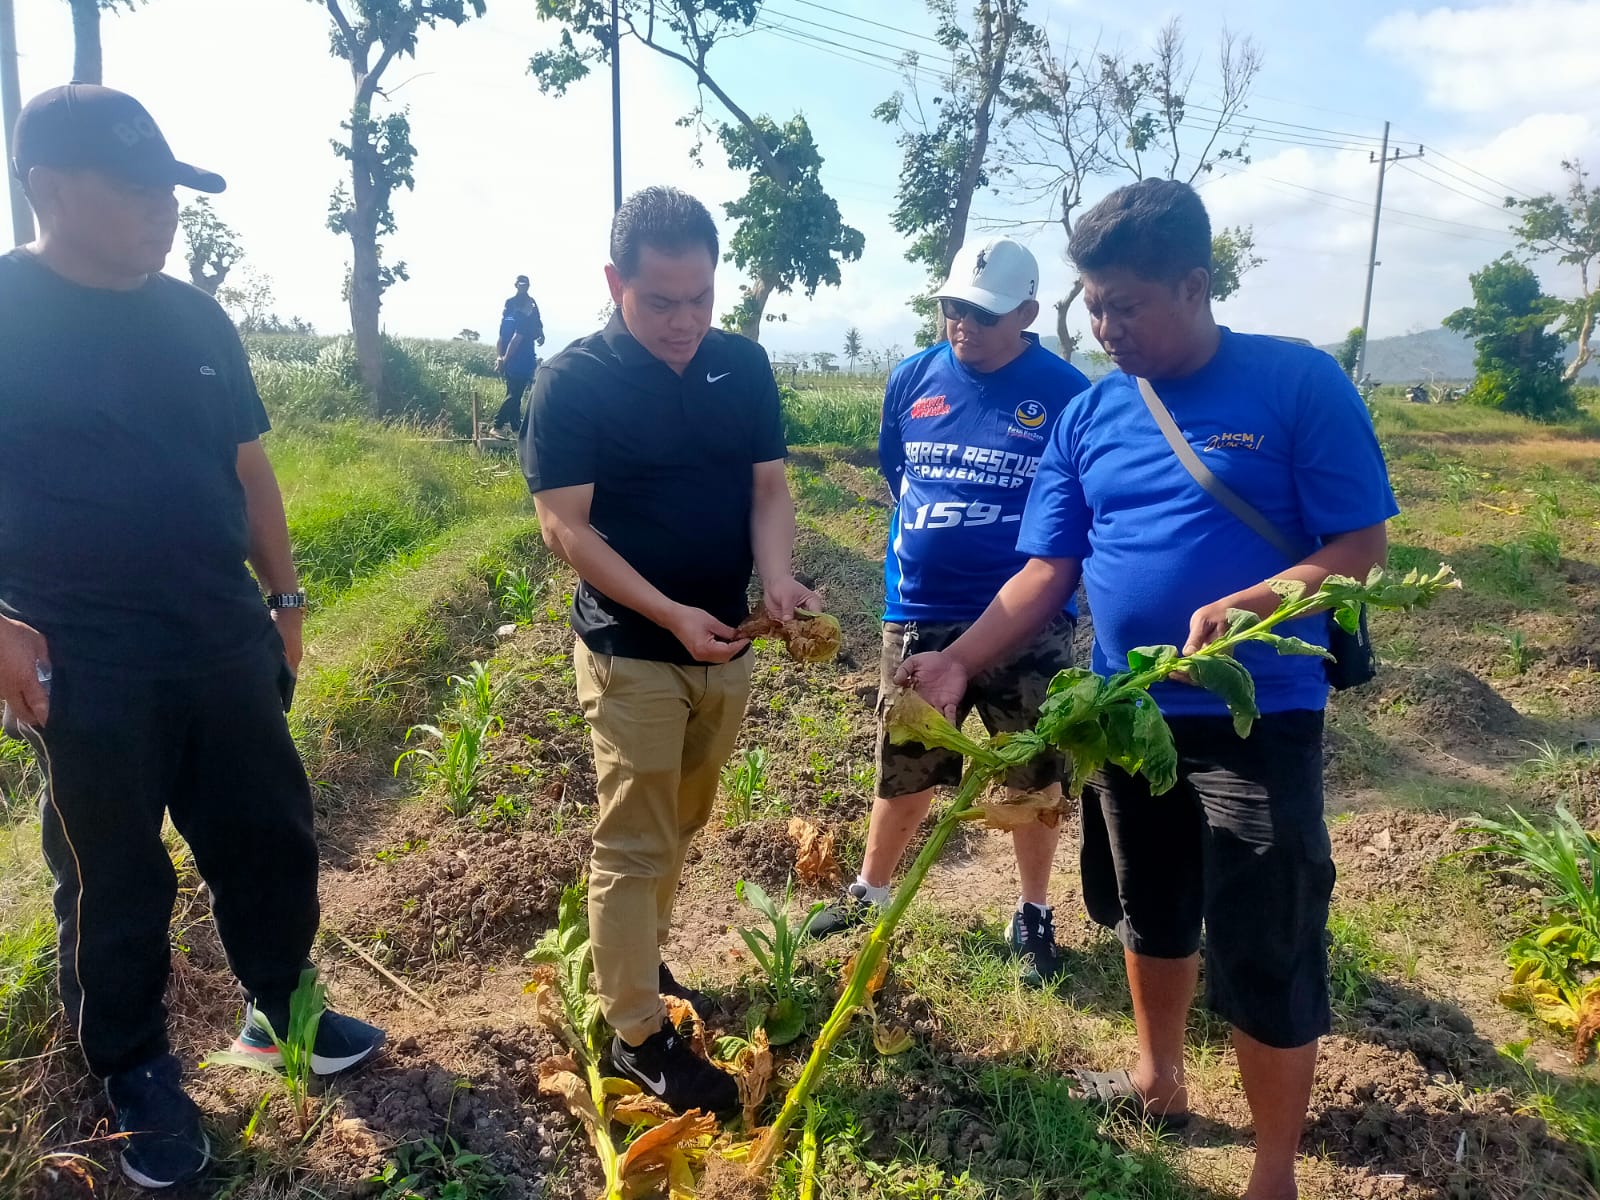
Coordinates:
[849,33]
[1499,208]
[1360,204]
[1498,198]
[868,21]
[1474,170]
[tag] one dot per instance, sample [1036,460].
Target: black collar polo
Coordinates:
[671,458]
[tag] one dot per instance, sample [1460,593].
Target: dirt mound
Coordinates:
[761,851]
[1448,705]
[1394,850]
[1373,1104]
[469,896]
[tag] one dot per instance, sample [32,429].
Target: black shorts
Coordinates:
[1239,845]
[1007,697]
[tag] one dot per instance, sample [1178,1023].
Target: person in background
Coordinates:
[137,654]
[655,453]
[964,424]
[516,358]
[1239,847]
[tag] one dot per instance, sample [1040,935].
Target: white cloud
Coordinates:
[1510,58]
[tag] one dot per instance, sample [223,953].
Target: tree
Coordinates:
[1350,350]
[214,248]
[1518,361]
[788,235]
[1100,114]
[379,152]
[87,60]
[469,335]
[790,232]
[1568,231]
[824,359]
[944,140]
[853,347]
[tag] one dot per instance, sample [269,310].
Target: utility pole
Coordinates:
[616,111]
[10,106]
[1383,160]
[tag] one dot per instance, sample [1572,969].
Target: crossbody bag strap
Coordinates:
[1214,487]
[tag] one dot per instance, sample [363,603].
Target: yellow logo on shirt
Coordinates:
[1031,414]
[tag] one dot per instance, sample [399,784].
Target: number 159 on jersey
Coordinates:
[947,514]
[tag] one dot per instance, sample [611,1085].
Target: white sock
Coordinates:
[875,895]
[1044,908]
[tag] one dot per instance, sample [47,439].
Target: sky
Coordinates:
[510,181]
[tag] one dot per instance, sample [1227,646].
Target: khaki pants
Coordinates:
[661,735]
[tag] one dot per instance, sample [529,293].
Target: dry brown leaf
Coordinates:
[652,1150]
[639,1109]
[751,1069]
[559,1076]
[814,860]
[1588,1026]
[1020,813]
[680,1010]
[809,637]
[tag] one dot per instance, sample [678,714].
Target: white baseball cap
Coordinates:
[998,275]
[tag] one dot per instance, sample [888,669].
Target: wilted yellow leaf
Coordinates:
[680,1177]
[1019,813]
[890,1039]
[639,1109]
[751,1069]
[1588,1029]
[653,1149]
[679,1011]
[559,1077]
[814,860]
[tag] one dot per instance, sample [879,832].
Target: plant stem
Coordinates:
[866,965]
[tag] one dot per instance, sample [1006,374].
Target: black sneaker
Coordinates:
[1033,940]
[163,1143]
[851,910]
[668,986]
[342,1042]
[665,1067]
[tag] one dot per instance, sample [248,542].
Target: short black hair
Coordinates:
[667,220]
[1156,228]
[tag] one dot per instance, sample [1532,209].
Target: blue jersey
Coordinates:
[1282,426]
[960,449]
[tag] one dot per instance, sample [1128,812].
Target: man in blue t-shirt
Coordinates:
[964,423]
[1239,845]
[516,358]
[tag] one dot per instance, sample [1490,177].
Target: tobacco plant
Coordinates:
[1094,721]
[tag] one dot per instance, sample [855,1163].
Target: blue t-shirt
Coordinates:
[1282,426]
[523,362]
[960,449]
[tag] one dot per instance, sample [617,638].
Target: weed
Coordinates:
[1354,961]
[27,1006]
[519,595]
[460,762]
[396,853]
[476,693]
[21,780]
[744,781]
[1546,547]
[306,1006]
[1554,765]
[1519,656]
[776,951]
[1514,577]
[1460,481]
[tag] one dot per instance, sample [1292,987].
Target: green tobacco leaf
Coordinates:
[1015,749]
[1147,658]
[1071,698]
[784,1021]
[1349,617]
[1293,645]
[1241,619]
[1122,742]
[1086,744]
[1288,589]
[1158,754]
[913,719]
[1225,677]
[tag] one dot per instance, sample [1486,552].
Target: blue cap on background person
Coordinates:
[85,125]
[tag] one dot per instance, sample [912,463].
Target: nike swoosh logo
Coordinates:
[713,378]
[657,1085]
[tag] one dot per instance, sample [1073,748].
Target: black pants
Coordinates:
[511,411]
[215,752]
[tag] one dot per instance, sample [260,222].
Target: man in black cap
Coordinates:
[137,653]
[515,357]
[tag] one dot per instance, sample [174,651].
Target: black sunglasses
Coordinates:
[960,310]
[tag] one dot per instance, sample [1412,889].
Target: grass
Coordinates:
[845,412]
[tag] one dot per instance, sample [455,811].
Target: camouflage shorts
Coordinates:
[1007,698]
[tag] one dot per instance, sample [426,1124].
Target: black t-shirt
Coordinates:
[672,462]
[122,520]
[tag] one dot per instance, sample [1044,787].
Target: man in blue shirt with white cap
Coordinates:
[964,425]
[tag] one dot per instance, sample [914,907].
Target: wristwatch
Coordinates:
[286,600]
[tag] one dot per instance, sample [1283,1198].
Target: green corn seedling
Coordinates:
[776,951]
[745,782]
[518,595]
[306,1006]
[460,762]
[1094,721]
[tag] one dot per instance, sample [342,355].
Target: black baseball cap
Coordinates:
[522,281]
[85,125]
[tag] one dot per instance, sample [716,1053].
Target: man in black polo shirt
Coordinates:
[136,654]
[655,451]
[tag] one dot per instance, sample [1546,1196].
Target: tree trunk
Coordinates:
[1069,343]
[995,39]
[760,291]
[366,277]
[1585,332]
[86,59]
